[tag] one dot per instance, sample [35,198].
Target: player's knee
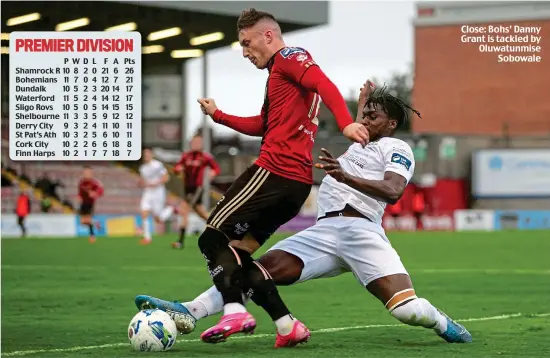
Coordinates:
[212,241]
[284,268]
[411,312]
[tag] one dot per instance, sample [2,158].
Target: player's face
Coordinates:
[147,155]
[196,144]
[255,46]
[87,173]
[377,122]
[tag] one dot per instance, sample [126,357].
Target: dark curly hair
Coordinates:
[391,105]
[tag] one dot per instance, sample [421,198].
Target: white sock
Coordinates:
[166,213]
[208,303]
[231,308]
[146,230]
[420,312]
[196,308]
[285,324]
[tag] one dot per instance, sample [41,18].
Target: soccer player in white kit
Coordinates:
[348,236]
[153,200]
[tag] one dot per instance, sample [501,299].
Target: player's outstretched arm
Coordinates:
[252,126]
[315,80]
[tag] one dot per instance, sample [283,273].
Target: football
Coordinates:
[152,331]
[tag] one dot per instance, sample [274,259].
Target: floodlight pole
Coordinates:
[206,140]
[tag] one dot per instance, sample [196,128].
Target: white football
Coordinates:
[152,331]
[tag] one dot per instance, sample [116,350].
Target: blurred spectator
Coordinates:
[43,183]
[48,185]
[54,186]
[396,209]
[418,206]
[22,209]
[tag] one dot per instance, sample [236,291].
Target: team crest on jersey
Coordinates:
[289,52]
[400,159]
[301,57]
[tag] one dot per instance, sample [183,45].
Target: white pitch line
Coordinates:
[194,268]
[265,335]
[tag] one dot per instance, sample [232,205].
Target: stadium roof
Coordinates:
[188,20]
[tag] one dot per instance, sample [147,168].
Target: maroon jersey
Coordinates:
[194,163]
[289,117]
[88,186]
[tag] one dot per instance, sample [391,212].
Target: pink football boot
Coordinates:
[229,324]
[300,334]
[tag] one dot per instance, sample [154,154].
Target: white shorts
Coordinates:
[337,245]
[153,202]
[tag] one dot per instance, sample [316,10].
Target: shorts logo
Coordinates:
[400,159]
[289,52]
[241,229]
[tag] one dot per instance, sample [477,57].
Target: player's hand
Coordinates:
[92,194]
[178,168]
[366,91]
[357,133]
[208,106]
[331,166]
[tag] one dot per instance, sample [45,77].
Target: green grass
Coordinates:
[60,294]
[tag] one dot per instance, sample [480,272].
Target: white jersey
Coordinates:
[371,162]
[153,172]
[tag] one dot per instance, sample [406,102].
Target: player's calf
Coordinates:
[224,265]
[262,290]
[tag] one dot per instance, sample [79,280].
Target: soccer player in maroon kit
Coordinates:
[89,190]
[193,164]
[271,191]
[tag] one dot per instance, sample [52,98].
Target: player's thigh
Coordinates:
[368,252]
[316,247]
[86,211]
[287,203]
[146,203]
[248,198]
[158,205]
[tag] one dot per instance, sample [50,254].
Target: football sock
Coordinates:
[182,235]
[208,303]
[285,324]
[166,213]
[91,227]
[231,308]
[146,230]
[224,265]
[420,312]
[259,284]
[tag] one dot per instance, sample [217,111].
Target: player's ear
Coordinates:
[393,124]
[268,34]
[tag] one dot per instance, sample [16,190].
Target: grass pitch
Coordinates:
[67,298]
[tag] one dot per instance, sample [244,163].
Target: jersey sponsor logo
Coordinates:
[400,159]
[289,52]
